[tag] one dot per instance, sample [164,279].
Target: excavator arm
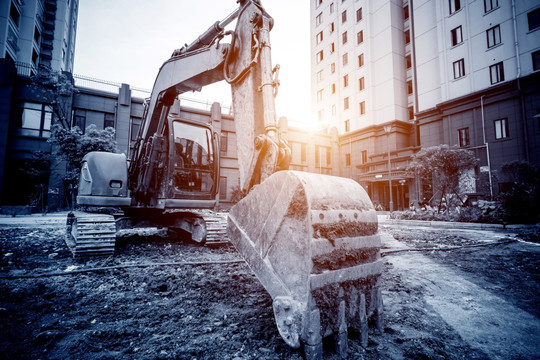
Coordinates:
[246,65]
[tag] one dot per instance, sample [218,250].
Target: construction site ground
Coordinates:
[448,294]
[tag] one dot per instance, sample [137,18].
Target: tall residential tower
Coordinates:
[39,33]
[396,75]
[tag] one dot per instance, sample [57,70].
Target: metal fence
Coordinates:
[28,70]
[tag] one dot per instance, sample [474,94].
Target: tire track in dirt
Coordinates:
[483,320]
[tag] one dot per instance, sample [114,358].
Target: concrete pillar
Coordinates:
[215,116]
[123,117]
[335,151]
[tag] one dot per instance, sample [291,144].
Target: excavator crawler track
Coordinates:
[216,228]
[90,235]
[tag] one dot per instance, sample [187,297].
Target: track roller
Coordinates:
[90,235]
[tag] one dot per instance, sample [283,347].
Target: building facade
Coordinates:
[425,73]
[39,33]
[478,88]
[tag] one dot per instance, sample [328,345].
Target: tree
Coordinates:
[36,175]
[519,198]
[72,145]
[56,88]
[443,166]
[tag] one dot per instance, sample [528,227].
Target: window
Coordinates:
[358,15]
[493,36]
[346,81]
[222,187]
[346,103]
[332,48]
[320,56]
[536,60]
[319,76]
[321,115]
[455,5]
[344,38]
[135,126]
[332,28]
[457,36]
[364,156]
[409,87]
[328,156]
[303,153]
[459,68]
[319,37]
[344,16]
[347,159]
[347,124]
[331,8]
[360,60]
[496,73]
[223,146]
[361,84]
[108,120]
[345,59]
[321,159]
[79,120]
[411,113]
[319,95]
[363,108]
[463,137]
[501,128]
[37,35]
[333,88]
[34,120]
[490,5]
[333,68]
[360,37]
[406,12]
[14,14]
[318,2]
[534,19]
[408,61]
[318,19]
[407,37]
[34,57]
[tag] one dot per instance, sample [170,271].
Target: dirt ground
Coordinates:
[459,294]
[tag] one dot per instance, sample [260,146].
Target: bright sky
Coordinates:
[126,41]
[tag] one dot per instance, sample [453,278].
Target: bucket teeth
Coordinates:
[313,242]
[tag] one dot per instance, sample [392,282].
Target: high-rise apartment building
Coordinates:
[358,63]
[39,33]
[397,75]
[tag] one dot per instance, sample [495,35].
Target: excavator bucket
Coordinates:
[312,240]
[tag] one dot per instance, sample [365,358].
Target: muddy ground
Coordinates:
[164,299]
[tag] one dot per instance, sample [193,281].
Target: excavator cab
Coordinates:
[193,163]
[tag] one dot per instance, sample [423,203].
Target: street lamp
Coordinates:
[387,129]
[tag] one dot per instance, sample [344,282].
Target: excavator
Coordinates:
[312,240]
